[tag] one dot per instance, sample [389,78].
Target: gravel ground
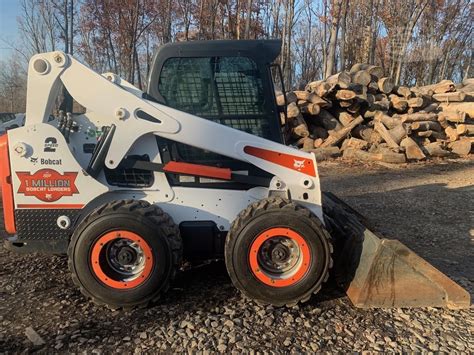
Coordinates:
[427,206]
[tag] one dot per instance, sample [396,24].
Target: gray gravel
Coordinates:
[39,304]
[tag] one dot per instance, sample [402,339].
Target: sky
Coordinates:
[9,11]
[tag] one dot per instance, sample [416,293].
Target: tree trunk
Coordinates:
[331,56]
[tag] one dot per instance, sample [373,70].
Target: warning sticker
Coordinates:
[47,185]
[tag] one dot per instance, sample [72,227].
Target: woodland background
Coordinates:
[416,42]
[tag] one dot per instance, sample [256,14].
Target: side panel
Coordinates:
[47,183]
[45,174]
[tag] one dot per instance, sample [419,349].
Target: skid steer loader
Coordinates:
[194,169]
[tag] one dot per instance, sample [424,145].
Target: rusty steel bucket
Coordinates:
[384,273]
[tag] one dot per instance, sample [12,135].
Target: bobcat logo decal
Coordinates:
[298,164]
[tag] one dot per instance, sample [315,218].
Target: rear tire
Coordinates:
[278,252]
[125,254]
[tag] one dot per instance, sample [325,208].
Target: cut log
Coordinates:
[342,79]
[354,143]
[457,96]
[339,135]
[402,91]
[323,89]
[371,69]
[443,122]
[443,86]
[345,94]
[345,118]
[363,132]
[389,122]
[385,85]
[416,102]
[375,70]
[311,86]
[451,133]
[315,99]
[433,107]
[282,119]
[426,126]
[318,142]
[398,104]
[380,105]
[329,121]
[310,109]
[467,107]
[435,150]
[292,111]
[291,97]
[452,116]
[466,129]
[302,95]
[308,143]
[386,157]
[432,134]
[420,91]
[468,81]
[383,131]
[398,133]
[375,138]
[418,116]
[412,150]
[361,77]
[324,153]
[280,100]
[468,89]
[461,147]
[300,128]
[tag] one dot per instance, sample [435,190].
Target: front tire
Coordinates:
[125,254]
[278,252]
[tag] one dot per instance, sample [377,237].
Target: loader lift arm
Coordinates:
[295,171]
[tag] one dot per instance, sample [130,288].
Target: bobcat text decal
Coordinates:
[47,185]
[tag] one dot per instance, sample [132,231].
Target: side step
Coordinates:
[384,273]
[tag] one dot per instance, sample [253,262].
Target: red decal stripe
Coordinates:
[47,206]
[7,187]
[289,161]
[197,170]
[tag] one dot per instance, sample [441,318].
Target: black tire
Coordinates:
[265,215]
[160,236]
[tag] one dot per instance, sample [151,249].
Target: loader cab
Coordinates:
[229,82]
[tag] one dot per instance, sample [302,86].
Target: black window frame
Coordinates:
[261,52]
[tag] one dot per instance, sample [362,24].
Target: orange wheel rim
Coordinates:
[121,259]
[279,257]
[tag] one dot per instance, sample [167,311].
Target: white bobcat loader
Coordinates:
[195,169]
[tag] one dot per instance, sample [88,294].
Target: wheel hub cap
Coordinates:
[121,259]
[279,257]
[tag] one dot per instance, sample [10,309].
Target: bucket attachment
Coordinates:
[384,273]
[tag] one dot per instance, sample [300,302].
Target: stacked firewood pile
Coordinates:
[362,115]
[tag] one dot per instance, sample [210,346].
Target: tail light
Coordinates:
[6,186]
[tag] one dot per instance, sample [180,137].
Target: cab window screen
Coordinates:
[226,90]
